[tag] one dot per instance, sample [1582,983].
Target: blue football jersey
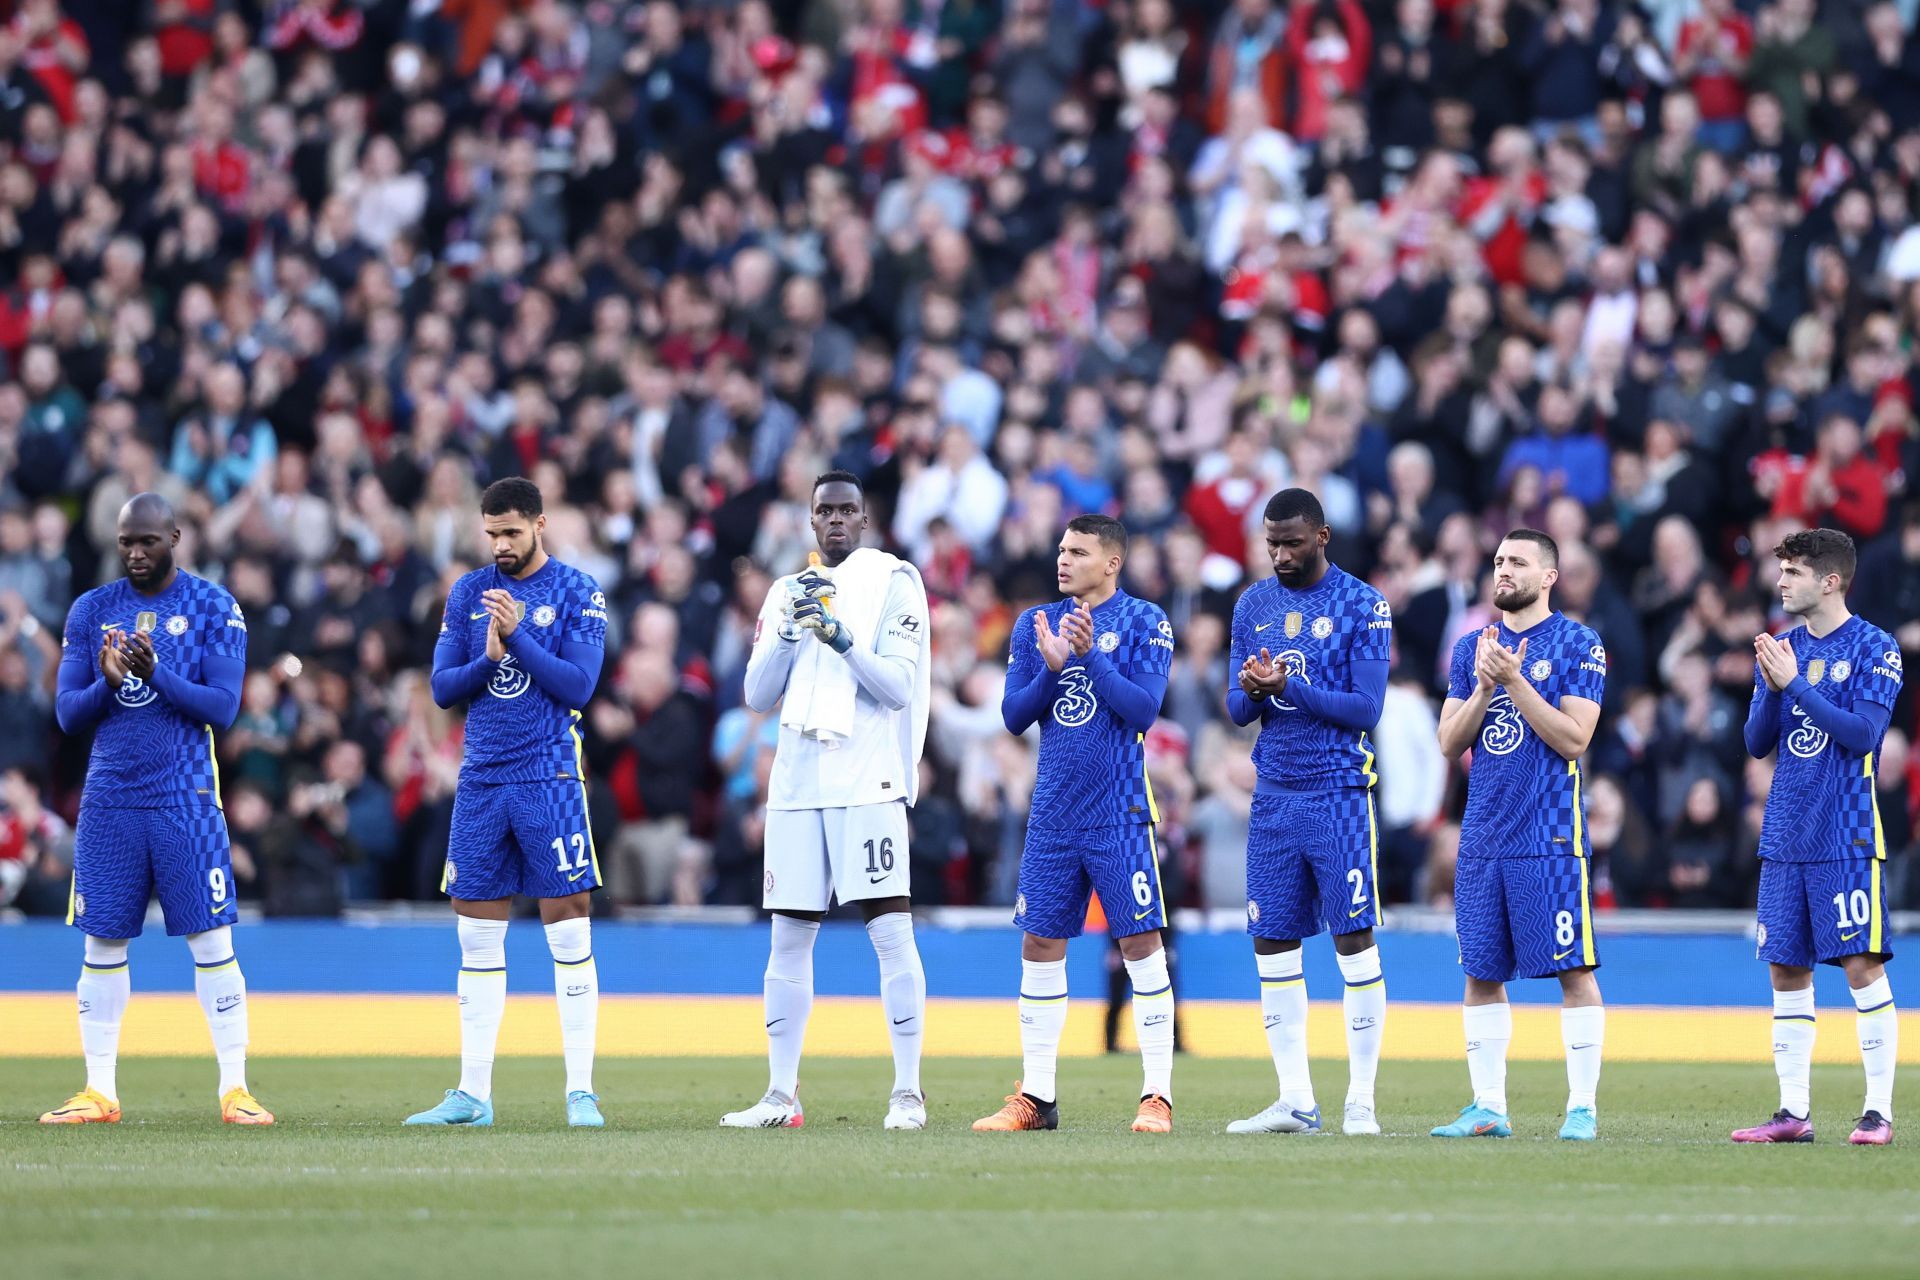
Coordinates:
[1523,797]
[516,732]
[1093,768]
[1822,806]
[146,754]
[1317,635]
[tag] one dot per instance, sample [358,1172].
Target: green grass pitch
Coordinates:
[338,1188]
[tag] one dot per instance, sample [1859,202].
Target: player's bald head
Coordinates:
[148,513]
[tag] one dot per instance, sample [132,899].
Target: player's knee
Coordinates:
[483,943]
[570,941]
[106,953]
[1352,944]
[215,946]
[1043,950]
[1139,946]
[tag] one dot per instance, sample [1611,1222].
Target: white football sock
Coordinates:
[483,1001]
[1366,1009]
[1043,1020]
[102,997]
[1153,1022]
[788,989]
[1283,1005]
[1793,1035]
[1489,1028]
[1879,1025]
[903,993]
[222,989]
[576,988]
[1583,1033]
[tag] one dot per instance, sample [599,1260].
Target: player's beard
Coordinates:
[516,566]
[1516,599]
[156,573]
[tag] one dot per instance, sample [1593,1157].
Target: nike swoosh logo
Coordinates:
[1356,911]
[67,1111]
[1564,954]
[1262,626]
[1483,1128]
[222,907]
[576,875]
[110,626]
[1849,937]
[1142,915]
[776,1022]
[1579,1046]
[898,1021]
[875,879]
[475,617]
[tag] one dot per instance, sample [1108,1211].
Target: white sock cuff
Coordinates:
[1793,1004]
[1360,968]
[106,953]
[1876,995]
[891,934]
[1488,1021]
[483,945]
[1281,964]
[1150,976]
[1587,1022]
[214,947]
[1043,979]
[571,941]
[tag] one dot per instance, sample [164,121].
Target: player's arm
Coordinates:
[772,658]
[1855,731]
[1357,708]
[1763,718]
[1135,700]
[886,669]
[1567,728]
[216,702]
[1469,694]
[568,676]
[1241,706]
[1031,683]
[84,693]
[455,678]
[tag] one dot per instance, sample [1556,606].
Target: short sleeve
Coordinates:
[903,620]
[1460,677]
[586,615]
[1373,628]
[226,635]
[1153,643]
[1883,672]
[1587,674]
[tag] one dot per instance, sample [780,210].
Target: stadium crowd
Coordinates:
[1641,275]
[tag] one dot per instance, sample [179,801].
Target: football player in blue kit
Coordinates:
[1524,695]
[521,642]
[1312,644]
[1091,671]
[153,663]
[1822,696]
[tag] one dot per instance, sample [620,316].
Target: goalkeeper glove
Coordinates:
[811,615]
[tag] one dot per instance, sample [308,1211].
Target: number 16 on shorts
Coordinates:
[854,854]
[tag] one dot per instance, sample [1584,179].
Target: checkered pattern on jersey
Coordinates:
[1522,917]
[516,731]
[121,857]
[1311,864]
[1318,634]
[146,754]
[1821,807]
[1092,770]
[1523,797]
[527,838]
[1821,912]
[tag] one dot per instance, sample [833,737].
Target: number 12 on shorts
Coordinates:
[579,853]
